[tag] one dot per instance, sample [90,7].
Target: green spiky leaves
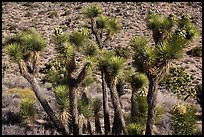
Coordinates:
[14,51]
[91,50]
[113,26]
[102,22]
[138,80]
[21,44]
[78,38]
[92,11]
[157,21]
[114,65]
[33,40]
[144,55]
[62,98]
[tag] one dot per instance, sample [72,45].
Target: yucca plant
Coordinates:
[183,120]
[97,104]
[27,110]
[112,67]
[78,38]
[15,52]
[67,46]
[103,28]
[137,81]
[62,103]
[154,60]
[92,11]
[123,52]
[23,48]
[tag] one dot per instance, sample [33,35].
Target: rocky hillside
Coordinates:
[45,16]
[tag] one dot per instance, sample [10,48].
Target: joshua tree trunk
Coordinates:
[133,108]
[117,128]
[39,95]
[73,110]
[151,100]
[117,106]
[73,85]
[97,125]
[105,105]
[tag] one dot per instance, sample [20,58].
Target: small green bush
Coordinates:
[123,52]
[183,119]
[179,82]
[27,109]
[136,129]
[85,106]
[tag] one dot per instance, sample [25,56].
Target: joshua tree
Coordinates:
[137,81]
[154,60]
[24,48]
[96,107]
[62,103]
[103,28]
[112,66]
[67,46]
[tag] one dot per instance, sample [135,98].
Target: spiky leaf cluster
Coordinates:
[78,38]
[91,50]
[102,22]
[85,108]
[144,55]
[123,52]
[114,65]
[14,51]
[138,80]
[62,97]
[20,45]
[92,11]
[156,21]
[55,72]
[27,109]
[183,120]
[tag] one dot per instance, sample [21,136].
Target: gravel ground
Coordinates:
[16,16]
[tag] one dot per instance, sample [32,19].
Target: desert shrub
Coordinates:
[179,82]
[123,52]
[85,106]
[195,52]
[183,119]
[53,14]
[136,128]
[137,124]
[23,93]
[27,109]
